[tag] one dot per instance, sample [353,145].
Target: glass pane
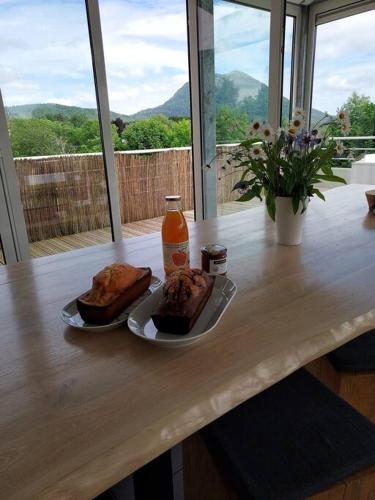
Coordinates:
[288,74]
[241,65]
[344,77]
[48,88]
[146,55]
[2,258]
[241,36]
[241,39]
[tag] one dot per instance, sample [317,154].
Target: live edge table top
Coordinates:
[80,411]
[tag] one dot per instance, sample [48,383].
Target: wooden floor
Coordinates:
[99,236]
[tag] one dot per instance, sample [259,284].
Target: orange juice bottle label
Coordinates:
[176,255]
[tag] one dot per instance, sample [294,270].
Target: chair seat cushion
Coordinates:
[358,355]
[291,441]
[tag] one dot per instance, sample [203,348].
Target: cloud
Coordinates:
[146,52]
[345,61]
[241,40]
[45,52]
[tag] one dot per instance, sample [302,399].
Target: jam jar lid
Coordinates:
[213,249]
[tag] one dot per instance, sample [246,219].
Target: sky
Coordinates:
[45,53]
[344,61]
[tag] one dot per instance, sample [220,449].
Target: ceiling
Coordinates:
[304,2]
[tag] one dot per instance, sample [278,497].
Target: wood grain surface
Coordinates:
[80,411]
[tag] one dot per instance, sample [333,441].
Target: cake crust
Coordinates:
[185,294]
[102,304]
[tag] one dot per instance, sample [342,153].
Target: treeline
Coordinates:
[57,134]
[54,134]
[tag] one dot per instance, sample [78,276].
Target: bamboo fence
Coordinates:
[67,194]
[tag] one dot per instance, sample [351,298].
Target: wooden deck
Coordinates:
[100,236]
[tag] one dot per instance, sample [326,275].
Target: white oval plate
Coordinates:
[71,316]
[141,324]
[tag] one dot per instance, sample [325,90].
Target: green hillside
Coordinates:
[41,110]
[236,89]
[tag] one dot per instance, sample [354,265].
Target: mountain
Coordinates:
[44,109]
[233,89]
[236,89]
[177,105]
[246,85]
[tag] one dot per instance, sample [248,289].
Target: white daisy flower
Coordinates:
[257,152]
[299,113]
[342,115]
[339,148]
[267,133]
[255,127]
[345,127]
[297,123]
[292,131]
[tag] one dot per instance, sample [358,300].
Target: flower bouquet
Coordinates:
[287,166]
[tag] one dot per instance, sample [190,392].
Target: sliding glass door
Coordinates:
[47,82]
[235,47]
[146,55]
[185,81]
[344,79]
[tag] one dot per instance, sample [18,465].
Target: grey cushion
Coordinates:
[291,441]
[358,355]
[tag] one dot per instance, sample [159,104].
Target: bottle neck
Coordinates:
[173,205]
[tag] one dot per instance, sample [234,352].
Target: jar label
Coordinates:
[218,266]
[176,255]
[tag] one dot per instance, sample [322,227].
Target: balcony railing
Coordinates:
[67,194]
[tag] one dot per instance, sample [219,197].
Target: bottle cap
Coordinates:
[173,197]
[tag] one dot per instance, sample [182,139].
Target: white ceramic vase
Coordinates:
[289,226]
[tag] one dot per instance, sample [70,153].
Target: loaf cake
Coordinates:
[185,294]
[113,290]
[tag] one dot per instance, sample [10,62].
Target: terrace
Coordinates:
[65,201]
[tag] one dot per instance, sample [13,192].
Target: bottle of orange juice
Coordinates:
[175,236]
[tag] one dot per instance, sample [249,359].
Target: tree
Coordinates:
[181,133]
[152,133]
[34,137]
[226,93]
[78,119]
[257,106]
[78,134]
[231,125]
[362,119]
[87,139]
[120,125]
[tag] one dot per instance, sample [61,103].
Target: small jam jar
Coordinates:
[214,259]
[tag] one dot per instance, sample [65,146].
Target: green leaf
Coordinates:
[331,178]
[247,196]
[319,194]
[242,184]
[271,205]
[295,203]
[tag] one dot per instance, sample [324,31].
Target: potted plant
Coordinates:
[286,168]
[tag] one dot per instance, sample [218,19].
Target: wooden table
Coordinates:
[80,411]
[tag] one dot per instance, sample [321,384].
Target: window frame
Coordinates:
[15,243]
[204,204]
[204,181]
[323,13]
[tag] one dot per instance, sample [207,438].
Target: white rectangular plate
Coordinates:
[71,316]
[141,324]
